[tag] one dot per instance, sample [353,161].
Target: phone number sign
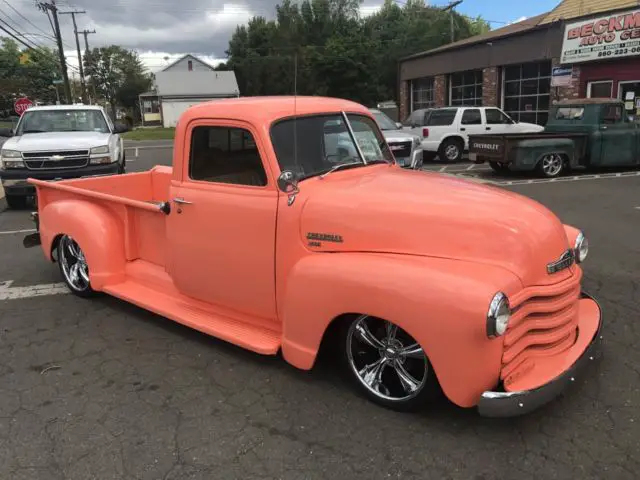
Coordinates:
[600,38]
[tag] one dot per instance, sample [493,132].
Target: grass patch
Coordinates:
[5,124]
[150,134]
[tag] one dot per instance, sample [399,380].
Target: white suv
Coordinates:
[445,131]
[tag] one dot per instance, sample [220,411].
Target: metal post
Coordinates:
[51,7]
[75,31]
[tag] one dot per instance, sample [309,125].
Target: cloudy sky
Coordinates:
[169,28]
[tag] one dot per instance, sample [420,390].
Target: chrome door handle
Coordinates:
[182,201]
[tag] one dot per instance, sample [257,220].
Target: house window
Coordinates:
[422,93]
[526,92]
[151,106]
[190,65]
[602,89]
[466,89]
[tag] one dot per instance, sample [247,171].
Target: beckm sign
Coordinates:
[600,38]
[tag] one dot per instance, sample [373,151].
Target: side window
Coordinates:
[441,118]
[612,114]
[496,117]
[225,155]
[471,117]
[415,119]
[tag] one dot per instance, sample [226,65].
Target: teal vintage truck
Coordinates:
[583,132]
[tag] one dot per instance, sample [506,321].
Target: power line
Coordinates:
[27,20]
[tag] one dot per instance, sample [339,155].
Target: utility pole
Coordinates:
[86,33]
[51,7]
[450,7]
[86,41]
[75,31]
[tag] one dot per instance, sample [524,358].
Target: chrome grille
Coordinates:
[544,322]
[56,160]
[401,149]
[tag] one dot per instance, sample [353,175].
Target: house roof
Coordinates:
[514,28]
[188,55]
[195,83]
[569,9]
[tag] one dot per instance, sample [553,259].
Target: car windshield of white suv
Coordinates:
[318,144]
[43,121]
[383,121]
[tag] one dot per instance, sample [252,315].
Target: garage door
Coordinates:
[172,109]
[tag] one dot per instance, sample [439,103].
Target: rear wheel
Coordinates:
[16,201]
[499,167]
[74,267]
[451,150]
[551,165]
[387,364]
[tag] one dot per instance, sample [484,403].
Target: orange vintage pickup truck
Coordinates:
[286,222]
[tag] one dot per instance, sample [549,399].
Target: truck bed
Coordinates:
[134,200]
[497,146]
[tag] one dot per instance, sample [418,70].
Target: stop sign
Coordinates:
[21,105]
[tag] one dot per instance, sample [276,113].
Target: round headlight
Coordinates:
[581,248]
[498,315]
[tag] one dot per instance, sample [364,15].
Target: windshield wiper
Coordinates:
[341,166]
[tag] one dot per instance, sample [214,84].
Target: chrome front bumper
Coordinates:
[511,404]
[413,162]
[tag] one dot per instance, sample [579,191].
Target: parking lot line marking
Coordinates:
[136,151]
[12,232]
[443,169]
[7,292]
[471,167]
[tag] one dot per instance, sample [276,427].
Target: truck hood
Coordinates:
[389,210]
[530,127]
[56,141]
[398,136]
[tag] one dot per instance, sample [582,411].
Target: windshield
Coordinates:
[383,121]
[39,121]
[324,142]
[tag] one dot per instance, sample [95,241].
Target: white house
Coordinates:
[186,82]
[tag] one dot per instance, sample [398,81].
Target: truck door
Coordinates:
[222,226]
[618,137]
[471,124]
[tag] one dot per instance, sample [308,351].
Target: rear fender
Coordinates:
[441,303]
[95,228]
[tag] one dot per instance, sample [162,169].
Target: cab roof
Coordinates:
[66,107]
[270,109]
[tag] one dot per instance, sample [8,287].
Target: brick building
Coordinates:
[582,48]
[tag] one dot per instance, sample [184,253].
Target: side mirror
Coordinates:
[6,132]
[288,183]
[398,125]
[120,128]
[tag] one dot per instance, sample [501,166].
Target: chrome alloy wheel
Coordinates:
[386,360]
[73,264]
[552,164]
[452,152]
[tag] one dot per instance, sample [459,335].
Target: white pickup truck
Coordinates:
[445,131]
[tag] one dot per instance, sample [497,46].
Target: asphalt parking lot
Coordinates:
[99,389]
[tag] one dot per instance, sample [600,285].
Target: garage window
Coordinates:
[422,93]
[526,92]
[225,155]
[466,88]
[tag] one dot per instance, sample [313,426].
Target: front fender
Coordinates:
[441,303]
[97,231]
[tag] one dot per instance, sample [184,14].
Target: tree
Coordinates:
[337,52]
[32,78]
[117,75]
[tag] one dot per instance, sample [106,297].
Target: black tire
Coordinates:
[16,201]
[84,291]
[451,150]
[123,165]
[551,165]
[428,156]
[418,399]
[498,167]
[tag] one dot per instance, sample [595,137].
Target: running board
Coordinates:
[257,339]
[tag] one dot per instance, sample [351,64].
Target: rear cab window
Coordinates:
[442,118]
[570,113]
